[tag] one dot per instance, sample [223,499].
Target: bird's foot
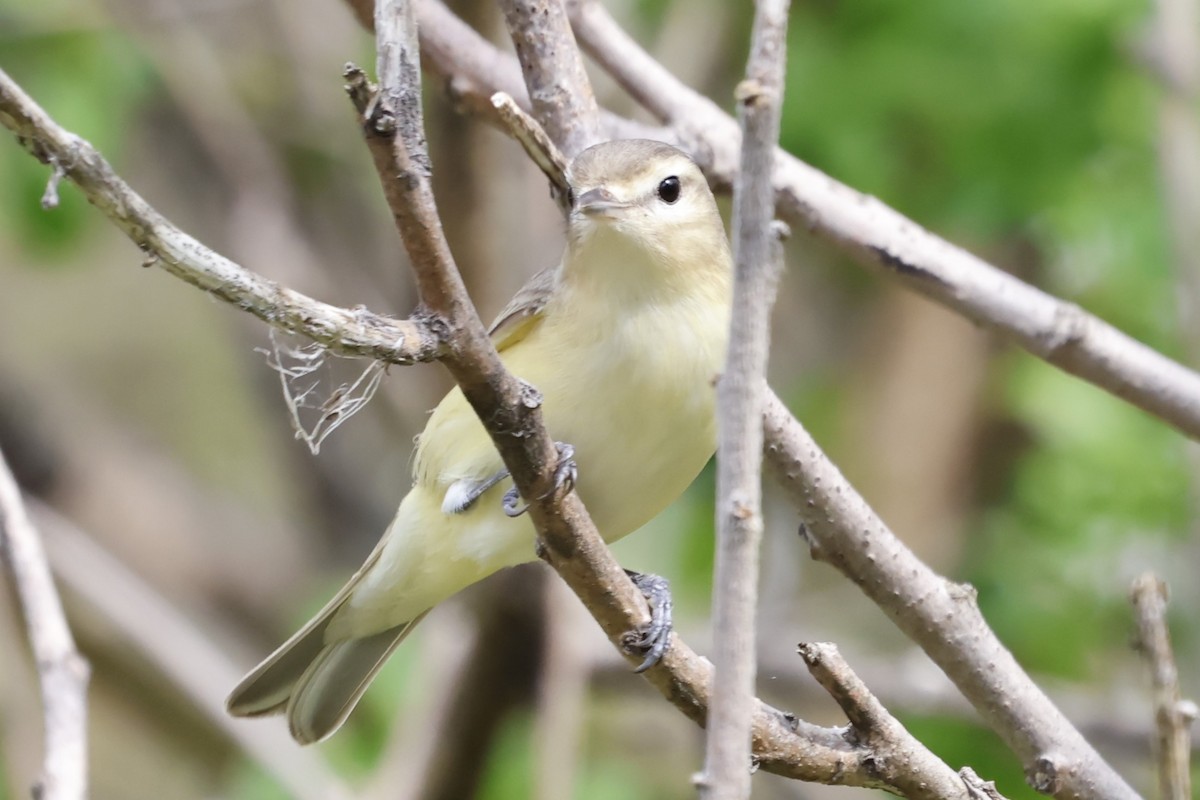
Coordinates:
[651,639]
[566,472]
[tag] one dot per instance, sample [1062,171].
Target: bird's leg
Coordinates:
[653,638]
[565,474]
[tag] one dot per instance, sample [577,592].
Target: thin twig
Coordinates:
[537,145]
[1173,715]
[757,262]
[940,616]
[347,332]
[183,653]
[62,671]
[901,759]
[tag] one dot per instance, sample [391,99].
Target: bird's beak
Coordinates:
[598,202]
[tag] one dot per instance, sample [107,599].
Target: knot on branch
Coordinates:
[1044,774]
[963,593]
[1070,326]
[753,92]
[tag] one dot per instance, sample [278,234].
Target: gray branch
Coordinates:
[940,616]
[901,760]
[757,260]
[1173,715]
[62,671]
[561,94]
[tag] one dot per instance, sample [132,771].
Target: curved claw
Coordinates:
[566,472]
[510,503]
[653,638]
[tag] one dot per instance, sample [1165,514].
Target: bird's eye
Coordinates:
[668,190]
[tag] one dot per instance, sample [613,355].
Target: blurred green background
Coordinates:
[1034,134]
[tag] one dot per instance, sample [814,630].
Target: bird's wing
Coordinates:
[455,451]
[524,311]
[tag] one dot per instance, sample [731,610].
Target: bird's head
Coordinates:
[645,203]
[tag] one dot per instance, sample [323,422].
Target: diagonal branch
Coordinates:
[940,616]
[510,411]
[346,332]
[757,261]
[62,671]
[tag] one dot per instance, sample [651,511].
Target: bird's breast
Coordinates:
[636,400]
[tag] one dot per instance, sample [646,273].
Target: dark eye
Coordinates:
[668,190]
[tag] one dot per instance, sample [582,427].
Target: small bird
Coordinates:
[623,339]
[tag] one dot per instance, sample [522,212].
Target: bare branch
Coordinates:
[940,616]
[757,262]
[902,760]
[558,85]
[62,671]
[1173,715]
[1054,330]
[347,332]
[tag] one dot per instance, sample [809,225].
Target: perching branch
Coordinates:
[1173,715]
[940,616]
[758,258]
[510,411]
[901,760]
[62,671]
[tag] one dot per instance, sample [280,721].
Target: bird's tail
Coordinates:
[317,683]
